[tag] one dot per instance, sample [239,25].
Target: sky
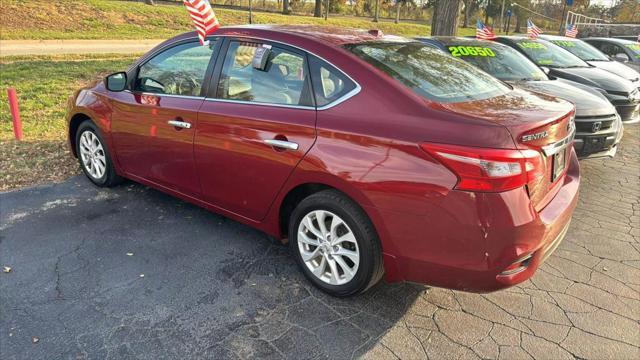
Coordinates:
[603,2]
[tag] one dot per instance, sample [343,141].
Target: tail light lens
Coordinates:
[489,170]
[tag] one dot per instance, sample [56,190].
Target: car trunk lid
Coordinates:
[536,122]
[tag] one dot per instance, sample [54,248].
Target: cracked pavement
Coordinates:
[213,288]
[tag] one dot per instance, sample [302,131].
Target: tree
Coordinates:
[398,5]
[149,2]
[376,16]
[317,12]
[285,7]
[445,17]
[469,6]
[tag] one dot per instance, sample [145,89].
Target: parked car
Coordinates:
[559,63]
[371,154]
[622,50]
[598,126]
[595,57]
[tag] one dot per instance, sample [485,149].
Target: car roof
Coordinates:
[515,38]
[613,40]
[557,37]
[331,35]
[450,40]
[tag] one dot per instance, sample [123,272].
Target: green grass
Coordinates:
[43,85]
[112,19]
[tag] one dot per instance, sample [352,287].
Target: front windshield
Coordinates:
[635,49]
[545,53]
[581,49]
[500,61]
[429,72]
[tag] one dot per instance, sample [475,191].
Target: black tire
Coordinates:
[109,178]
[370,269]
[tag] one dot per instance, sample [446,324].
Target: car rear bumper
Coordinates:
[471,241]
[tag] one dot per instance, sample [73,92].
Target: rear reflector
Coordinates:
[488,170]
[518,266]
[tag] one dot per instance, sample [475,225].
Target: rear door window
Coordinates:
[179,70]
[282,81]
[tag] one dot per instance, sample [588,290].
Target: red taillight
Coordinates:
[488,170]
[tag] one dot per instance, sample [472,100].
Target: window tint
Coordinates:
[177,71]
[283,80]
[329,83]
[429,72]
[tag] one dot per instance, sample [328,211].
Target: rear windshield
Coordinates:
[545,53]
[581,49]
[500,61]
[429,72]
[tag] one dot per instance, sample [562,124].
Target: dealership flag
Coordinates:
[203,17]
[572,31]
[532,30]
[483,32]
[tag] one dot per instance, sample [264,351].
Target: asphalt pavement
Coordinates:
[132,273]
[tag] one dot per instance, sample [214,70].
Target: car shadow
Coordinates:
[133,272]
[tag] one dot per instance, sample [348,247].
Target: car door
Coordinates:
[255,126]
[153,124]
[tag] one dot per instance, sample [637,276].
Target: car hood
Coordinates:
[617,68]
[587,103]
[595,77]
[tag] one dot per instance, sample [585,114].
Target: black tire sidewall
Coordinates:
[109,172]
[357,222]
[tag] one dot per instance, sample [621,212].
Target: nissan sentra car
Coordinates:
[598,126]
[559,63]
[594,57]
[370,154]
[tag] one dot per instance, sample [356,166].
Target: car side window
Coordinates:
[282,80]
[611,49]
[179,70]
[329,83]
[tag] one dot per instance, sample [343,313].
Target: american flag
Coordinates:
[532,30]
[483,32]
[203,17]
[571,31]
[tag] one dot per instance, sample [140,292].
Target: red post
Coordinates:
[15,113]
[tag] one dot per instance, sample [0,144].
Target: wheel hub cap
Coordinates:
[92,155]
[328,247]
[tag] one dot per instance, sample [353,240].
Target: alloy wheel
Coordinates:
[328,247]
[92,155]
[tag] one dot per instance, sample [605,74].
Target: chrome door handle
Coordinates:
[180,124]
[288,145]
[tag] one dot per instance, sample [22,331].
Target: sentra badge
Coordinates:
[536,136]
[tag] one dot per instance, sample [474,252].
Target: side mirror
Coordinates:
[545,69]
[622,57]
[116,82]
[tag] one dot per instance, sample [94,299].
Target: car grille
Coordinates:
[584,124]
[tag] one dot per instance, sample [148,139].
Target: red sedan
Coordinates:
[371,154]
